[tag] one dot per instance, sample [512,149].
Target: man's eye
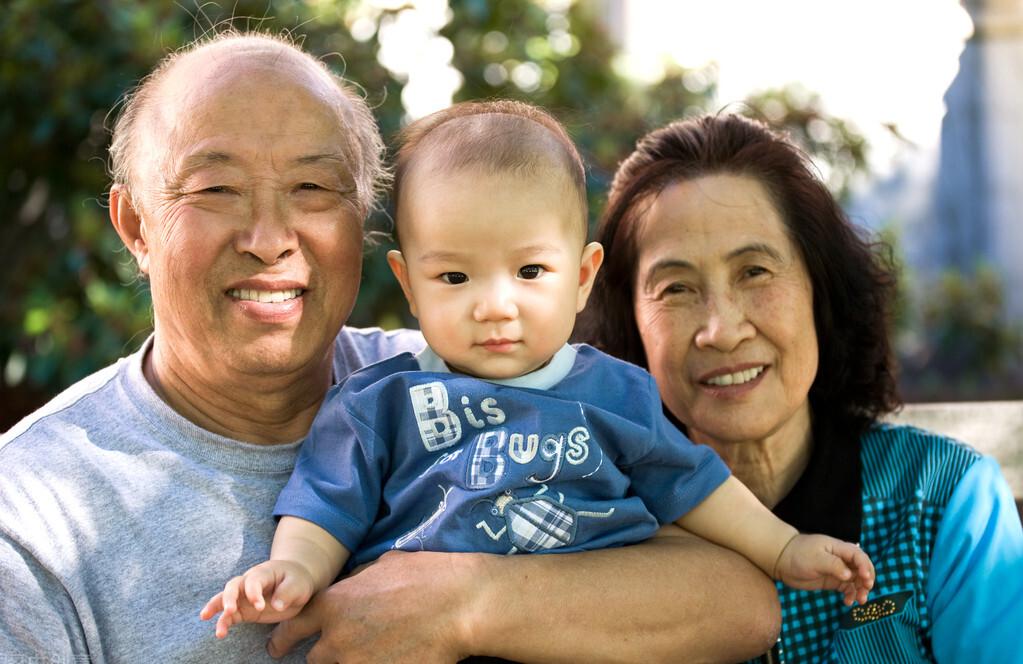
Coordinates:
[217,189]
[454,278]
[309,186]
[530,271]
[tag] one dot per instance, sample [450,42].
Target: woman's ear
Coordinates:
[129,226]
[398,266]
[593,257]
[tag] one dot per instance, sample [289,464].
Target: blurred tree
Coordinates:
[963,346]
[838,148]
[73,303]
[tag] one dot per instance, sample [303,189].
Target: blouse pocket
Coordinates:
[885,629]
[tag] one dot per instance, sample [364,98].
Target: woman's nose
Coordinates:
[269,235]
[725,325]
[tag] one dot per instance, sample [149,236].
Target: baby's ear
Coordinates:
[400,269]
[593,257]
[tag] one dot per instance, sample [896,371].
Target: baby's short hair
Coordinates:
[495,136]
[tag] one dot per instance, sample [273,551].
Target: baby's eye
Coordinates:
[530,271]
[454,278]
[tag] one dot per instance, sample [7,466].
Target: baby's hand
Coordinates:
[815,562]
[288,586]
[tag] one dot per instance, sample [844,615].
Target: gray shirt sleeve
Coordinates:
[37,618]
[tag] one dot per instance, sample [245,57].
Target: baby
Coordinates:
[500,437]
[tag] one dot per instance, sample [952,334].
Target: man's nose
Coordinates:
[496,302]
[269,234]
[725,323]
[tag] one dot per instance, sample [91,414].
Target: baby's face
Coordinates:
[494,268]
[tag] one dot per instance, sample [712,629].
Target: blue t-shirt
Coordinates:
[577,455]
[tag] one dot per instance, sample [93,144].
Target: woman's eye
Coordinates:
[676,288]
[530,271]
[454,278]
[755,271]
[309,186]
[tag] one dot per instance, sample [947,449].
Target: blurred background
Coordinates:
[911,109]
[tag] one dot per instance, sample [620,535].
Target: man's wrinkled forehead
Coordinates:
[215,90]
[227,67]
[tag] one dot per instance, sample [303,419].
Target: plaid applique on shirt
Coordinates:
[538,523]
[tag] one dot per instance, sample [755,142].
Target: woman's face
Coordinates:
[724,306]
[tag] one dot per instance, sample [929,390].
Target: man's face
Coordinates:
[252,235]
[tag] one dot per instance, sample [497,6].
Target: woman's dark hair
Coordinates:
[853,279]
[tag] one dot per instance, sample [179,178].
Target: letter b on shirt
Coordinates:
[438,426]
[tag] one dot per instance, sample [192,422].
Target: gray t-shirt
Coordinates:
[119,519]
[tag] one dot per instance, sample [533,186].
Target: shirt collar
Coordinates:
[543,378]
[827,498]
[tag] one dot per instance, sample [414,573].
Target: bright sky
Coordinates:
[872,61]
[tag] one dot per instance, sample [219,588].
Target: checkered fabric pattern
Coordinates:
[438,426]
[539,523]
[908,478]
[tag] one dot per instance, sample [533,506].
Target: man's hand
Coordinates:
[404,607]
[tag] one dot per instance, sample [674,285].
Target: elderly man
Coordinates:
[243,171]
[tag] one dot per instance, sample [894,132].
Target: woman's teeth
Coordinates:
[737,378]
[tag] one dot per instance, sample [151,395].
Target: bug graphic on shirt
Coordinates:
[418,534]
[536,522]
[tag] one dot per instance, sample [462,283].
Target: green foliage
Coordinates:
[72,301]
[838,149]
[64,64]
[963,345]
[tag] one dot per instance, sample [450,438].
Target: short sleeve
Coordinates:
[338,478]
[36,615]
[975,581]
[675,475]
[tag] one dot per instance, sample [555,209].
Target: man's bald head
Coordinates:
[147,115]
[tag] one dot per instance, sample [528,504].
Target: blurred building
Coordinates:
[977,205]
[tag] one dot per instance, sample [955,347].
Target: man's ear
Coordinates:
[128,223]
[593,256]
[397,262]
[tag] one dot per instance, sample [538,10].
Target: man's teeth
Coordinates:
[264,296]
[737,378]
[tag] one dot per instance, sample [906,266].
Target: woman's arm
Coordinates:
[975,580]
[672,598]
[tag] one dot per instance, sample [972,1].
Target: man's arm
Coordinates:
[672,598]
[37,618]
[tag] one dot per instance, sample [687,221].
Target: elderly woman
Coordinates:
[735,278]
